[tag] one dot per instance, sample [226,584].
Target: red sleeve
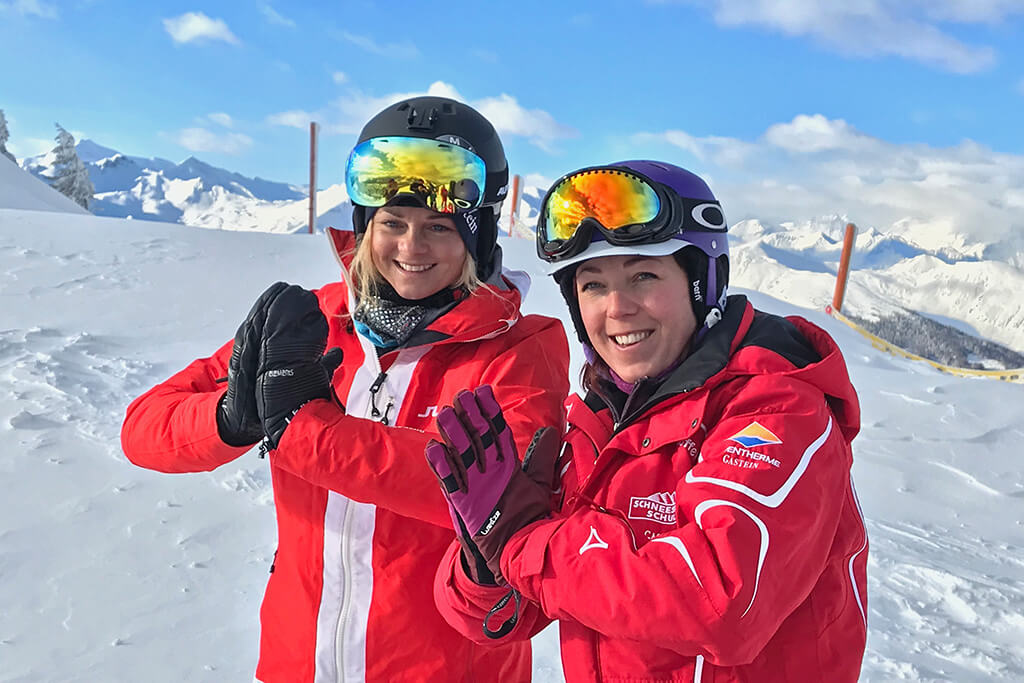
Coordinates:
[465,604]
[750,545]
[173,426]
[384,465]
[364,460]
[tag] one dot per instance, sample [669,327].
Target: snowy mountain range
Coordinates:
[907,266]
[193,192]
[973,287]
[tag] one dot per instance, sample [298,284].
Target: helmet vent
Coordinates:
[420,119]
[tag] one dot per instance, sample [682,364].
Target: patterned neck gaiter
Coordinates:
[387,324]
[389,320]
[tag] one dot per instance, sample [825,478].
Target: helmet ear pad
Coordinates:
[566,279]
[486,239]
[695,263]
[360,220]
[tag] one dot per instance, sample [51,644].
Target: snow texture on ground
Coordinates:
[115,573]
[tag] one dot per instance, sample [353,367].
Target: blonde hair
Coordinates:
[366,278]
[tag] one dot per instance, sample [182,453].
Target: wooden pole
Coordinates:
[844,268]
[514,213]
[313,128]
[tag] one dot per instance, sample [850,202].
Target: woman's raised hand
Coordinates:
[238,421]
[292,368]
[490,494]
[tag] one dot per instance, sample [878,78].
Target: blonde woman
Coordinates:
[423,311]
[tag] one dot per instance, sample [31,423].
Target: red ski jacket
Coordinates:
[710,530]
[362,524]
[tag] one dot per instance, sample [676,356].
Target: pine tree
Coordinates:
[71,177]
[3,137]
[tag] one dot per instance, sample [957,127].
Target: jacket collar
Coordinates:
[748,342]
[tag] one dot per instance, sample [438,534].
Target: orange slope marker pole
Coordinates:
[514,213]
[844,268]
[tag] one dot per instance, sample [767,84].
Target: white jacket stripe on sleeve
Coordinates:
[708,504]
[775,499]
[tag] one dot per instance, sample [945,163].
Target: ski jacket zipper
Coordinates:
[371,411]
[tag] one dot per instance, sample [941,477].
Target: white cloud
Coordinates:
[813,166]
[809,134]
[221,119]
[339,77]
[273,17]
[30,147]
[29,8]
[972,11]
[347,115]
[404,50]
[196,26]
[536,125]
[203,140]
[296,118]
[910,29]
[720,150]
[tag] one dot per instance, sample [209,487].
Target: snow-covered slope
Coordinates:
[114,573]
[19,190]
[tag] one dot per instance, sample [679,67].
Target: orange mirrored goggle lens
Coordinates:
[613,198]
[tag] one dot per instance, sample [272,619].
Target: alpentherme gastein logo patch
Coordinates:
[755,434]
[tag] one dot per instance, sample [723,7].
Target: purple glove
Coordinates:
[490,497]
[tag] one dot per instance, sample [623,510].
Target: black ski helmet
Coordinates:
[441,118]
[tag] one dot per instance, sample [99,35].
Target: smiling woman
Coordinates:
[705,526]
[423,310]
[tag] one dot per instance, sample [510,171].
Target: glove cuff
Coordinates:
[476,569]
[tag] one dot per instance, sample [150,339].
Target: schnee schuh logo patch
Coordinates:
[657,507]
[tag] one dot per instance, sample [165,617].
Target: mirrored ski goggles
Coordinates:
[444,177]
[612,203]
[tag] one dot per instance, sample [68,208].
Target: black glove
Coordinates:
[238,423]
[293,369]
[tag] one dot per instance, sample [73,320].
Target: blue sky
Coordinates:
[754,94]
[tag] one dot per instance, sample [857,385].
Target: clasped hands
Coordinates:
[277,365]
[491,494]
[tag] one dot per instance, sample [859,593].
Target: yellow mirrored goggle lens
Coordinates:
[613,198]
[446,178]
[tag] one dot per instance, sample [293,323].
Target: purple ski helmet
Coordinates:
[700,245]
